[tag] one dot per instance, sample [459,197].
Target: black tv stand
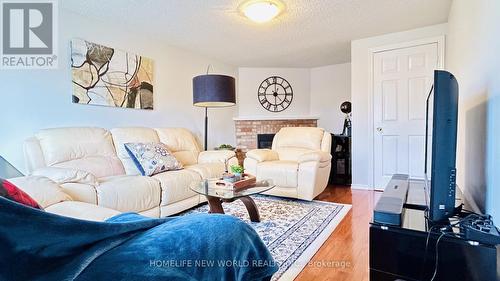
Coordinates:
[399,252]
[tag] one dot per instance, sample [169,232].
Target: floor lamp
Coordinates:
[213,90]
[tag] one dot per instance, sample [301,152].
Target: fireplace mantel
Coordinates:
[268,118]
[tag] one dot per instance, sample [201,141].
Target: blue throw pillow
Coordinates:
[152,158]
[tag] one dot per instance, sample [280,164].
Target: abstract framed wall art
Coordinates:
[106,76]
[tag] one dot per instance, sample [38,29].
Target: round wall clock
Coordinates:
[275,94]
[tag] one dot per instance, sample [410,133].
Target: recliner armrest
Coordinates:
[317,156]
[215,156]
[261,155]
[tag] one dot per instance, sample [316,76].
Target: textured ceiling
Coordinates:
[309,32]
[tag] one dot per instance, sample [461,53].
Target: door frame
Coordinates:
[439,40]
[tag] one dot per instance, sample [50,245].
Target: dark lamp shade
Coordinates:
[213,90]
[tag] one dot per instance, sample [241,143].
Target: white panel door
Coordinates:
[402,79]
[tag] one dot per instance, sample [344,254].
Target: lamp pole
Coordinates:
[213,90]
[206,128]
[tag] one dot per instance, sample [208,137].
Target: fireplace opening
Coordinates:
[265,140]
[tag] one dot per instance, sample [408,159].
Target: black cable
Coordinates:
[452,234]
[437,256]
[425,252]
[443,233]
[469,212]
[446,230]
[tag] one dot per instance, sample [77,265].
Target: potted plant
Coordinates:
[237,170]
[239,179]
[225,147]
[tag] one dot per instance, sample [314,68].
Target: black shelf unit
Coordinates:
[341,160]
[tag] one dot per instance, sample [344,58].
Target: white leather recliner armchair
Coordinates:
[299,162]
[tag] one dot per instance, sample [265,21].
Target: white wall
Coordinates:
[330,87]
[32,100]
[473,46]
[362,139]
[249,80]
[318,92]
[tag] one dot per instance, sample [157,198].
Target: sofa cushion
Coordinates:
[66,175]
[45,191]
[316,156]
[33,154]
[152,158]
[216,156]
[208,170]
[182,143]
[310,138]
[283,173]
[82,210]
[80,192]
[10,191]
[261,155]
[87,149]
[99,166]
[133,134]
[128,193]
[175,185]
[292,153]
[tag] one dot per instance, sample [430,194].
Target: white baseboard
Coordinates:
[361,186]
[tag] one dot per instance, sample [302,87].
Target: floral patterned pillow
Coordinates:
[152,158]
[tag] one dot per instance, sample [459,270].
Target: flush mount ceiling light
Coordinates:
[261,11]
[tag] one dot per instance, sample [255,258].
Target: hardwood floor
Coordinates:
[344,256]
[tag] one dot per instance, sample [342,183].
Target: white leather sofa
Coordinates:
[92,168]
[51,197]
[299,162]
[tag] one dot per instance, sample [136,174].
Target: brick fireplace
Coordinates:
[247,129]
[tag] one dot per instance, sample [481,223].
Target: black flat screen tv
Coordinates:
[440,179]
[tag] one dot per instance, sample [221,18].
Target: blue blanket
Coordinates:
[35,245]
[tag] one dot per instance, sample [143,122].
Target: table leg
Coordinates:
[251,208]
[215,205]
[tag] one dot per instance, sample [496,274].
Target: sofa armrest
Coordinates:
[215,156]
[43,190]
[317,156]
[66,175]
[261,155]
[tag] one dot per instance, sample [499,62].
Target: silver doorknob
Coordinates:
[379,129]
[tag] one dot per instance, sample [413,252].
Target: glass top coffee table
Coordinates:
[217,195]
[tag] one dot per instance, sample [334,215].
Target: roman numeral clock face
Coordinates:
[275,94]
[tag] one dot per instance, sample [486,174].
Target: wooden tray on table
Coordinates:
[247,181]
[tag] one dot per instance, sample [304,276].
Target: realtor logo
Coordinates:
[29,35]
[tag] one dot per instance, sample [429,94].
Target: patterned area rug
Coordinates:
[293,230]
